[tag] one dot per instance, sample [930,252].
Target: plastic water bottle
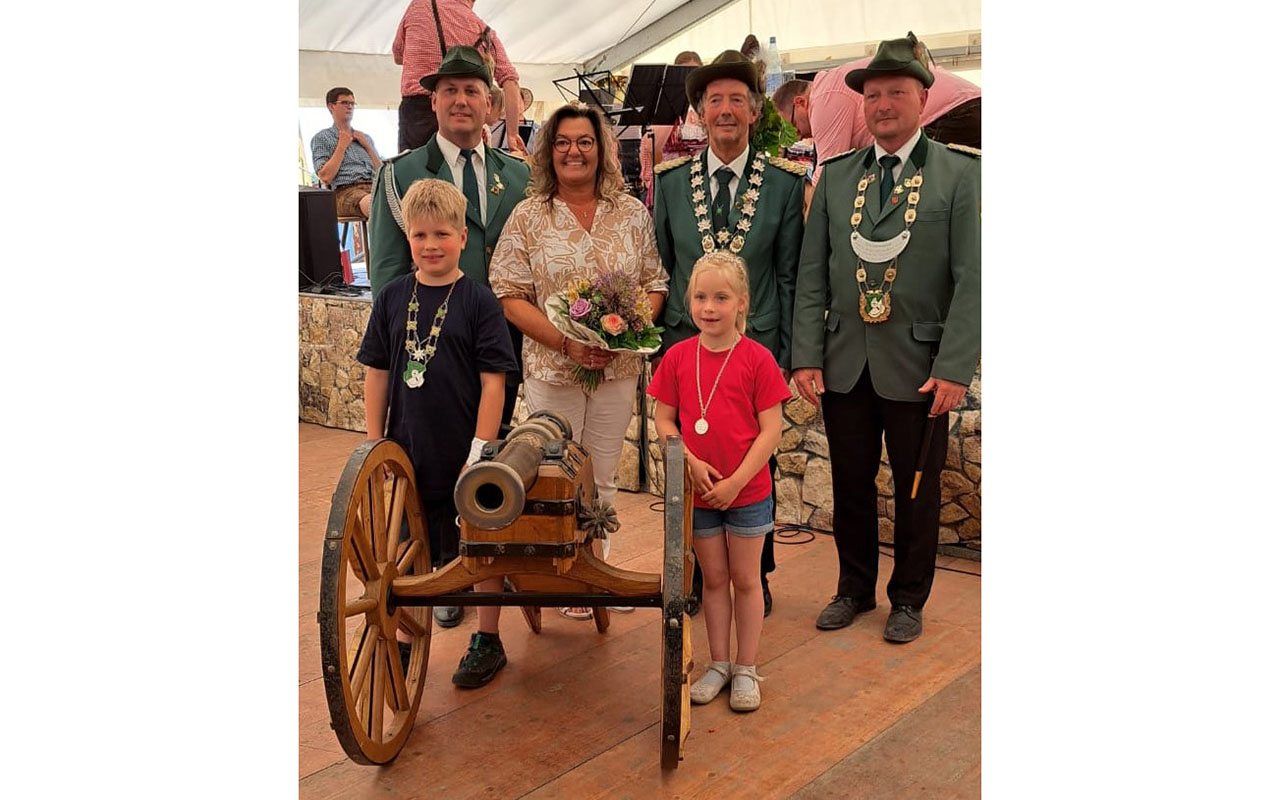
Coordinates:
[772,67]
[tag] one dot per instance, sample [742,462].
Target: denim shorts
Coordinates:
[746,521]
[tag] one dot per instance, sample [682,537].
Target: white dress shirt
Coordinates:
[738,165]
[902,154]
[453,157]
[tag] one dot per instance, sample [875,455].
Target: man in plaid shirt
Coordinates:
[419,50]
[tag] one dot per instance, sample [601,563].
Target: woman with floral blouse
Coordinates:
[577,223]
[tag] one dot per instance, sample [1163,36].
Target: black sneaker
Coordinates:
[483,660]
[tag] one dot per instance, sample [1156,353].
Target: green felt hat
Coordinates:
[460,62]
[729,64]
[894,57]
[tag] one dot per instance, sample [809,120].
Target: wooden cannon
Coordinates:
[525,512]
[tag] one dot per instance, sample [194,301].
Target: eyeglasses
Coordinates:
[585,144]
[347,103]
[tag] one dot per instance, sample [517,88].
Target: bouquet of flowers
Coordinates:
[611,312]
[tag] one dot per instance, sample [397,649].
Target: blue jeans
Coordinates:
[747,521]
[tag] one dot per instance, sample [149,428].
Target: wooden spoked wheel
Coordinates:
[372,700]
[677,582]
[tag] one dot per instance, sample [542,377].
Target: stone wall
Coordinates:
[330,380]
[331,392]
[804,470]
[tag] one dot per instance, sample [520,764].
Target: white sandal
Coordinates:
[745,698]
[711,683]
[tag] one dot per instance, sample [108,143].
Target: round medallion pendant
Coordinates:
[701,426]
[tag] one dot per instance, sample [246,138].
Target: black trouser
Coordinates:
[443,535]
[417,124]
[514,379]
[960,125]
[855,423]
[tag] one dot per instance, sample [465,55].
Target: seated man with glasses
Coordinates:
[345,158]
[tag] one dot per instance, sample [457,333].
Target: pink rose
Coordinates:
[580,308]
[613,324]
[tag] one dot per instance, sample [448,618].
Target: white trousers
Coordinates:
[599,421]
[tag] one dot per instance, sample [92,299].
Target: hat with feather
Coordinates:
[906,56]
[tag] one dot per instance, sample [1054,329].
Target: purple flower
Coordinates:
[580,308]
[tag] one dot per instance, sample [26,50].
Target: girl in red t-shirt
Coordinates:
[726,391]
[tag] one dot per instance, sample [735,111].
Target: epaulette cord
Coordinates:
[663,166]
[787,165]
[838,156]
[966,149]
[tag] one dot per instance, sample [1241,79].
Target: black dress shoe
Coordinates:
[904,625]
[840,612]
[768,596]
[693,604]
[447,616]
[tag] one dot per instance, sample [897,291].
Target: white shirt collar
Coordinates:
[902,152]
[453,154]
[738,165]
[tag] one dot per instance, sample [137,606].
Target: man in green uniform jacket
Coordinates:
[455,153]
[461,101]
[901,323]
[759,216]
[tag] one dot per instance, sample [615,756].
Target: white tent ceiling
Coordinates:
[341,42]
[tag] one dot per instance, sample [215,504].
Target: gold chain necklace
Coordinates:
[421,353]
[701,425]
[874,302]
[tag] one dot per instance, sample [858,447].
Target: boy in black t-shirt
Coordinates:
[437,351]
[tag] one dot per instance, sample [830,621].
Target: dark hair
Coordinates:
[333,94]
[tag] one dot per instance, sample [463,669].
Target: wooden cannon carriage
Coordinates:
[525,512]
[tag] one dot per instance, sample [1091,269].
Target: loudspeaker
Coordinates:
[318,253]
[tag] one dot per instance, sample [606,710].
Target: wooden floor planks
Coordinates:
[575,713]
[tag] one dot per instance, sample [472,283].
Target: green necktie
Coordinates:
[720,211]
[887,163]
[470,186]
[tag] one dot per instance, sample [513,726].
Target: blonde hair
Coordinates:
[542,172]
[434,200]
[733,269]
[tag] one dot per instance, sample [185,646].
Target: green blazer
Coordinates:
[771,249]
[505,180]
[936,298]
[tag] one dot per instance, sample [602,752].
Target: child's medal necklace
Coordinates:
[701,425]
[420,353]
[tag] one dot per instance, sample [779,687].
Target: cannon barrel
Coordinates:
[490,494]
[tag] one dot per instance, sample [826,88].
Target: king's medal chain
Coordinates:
[874,302]
[420,352]
[701,425]
[722,239]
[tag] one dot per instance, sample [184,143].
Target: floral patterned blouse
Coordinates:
[540,251]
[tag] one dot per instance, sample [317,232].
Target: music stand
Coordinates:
[655,95]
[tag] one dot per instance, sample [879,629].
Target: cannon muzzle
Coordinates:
[490,494]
